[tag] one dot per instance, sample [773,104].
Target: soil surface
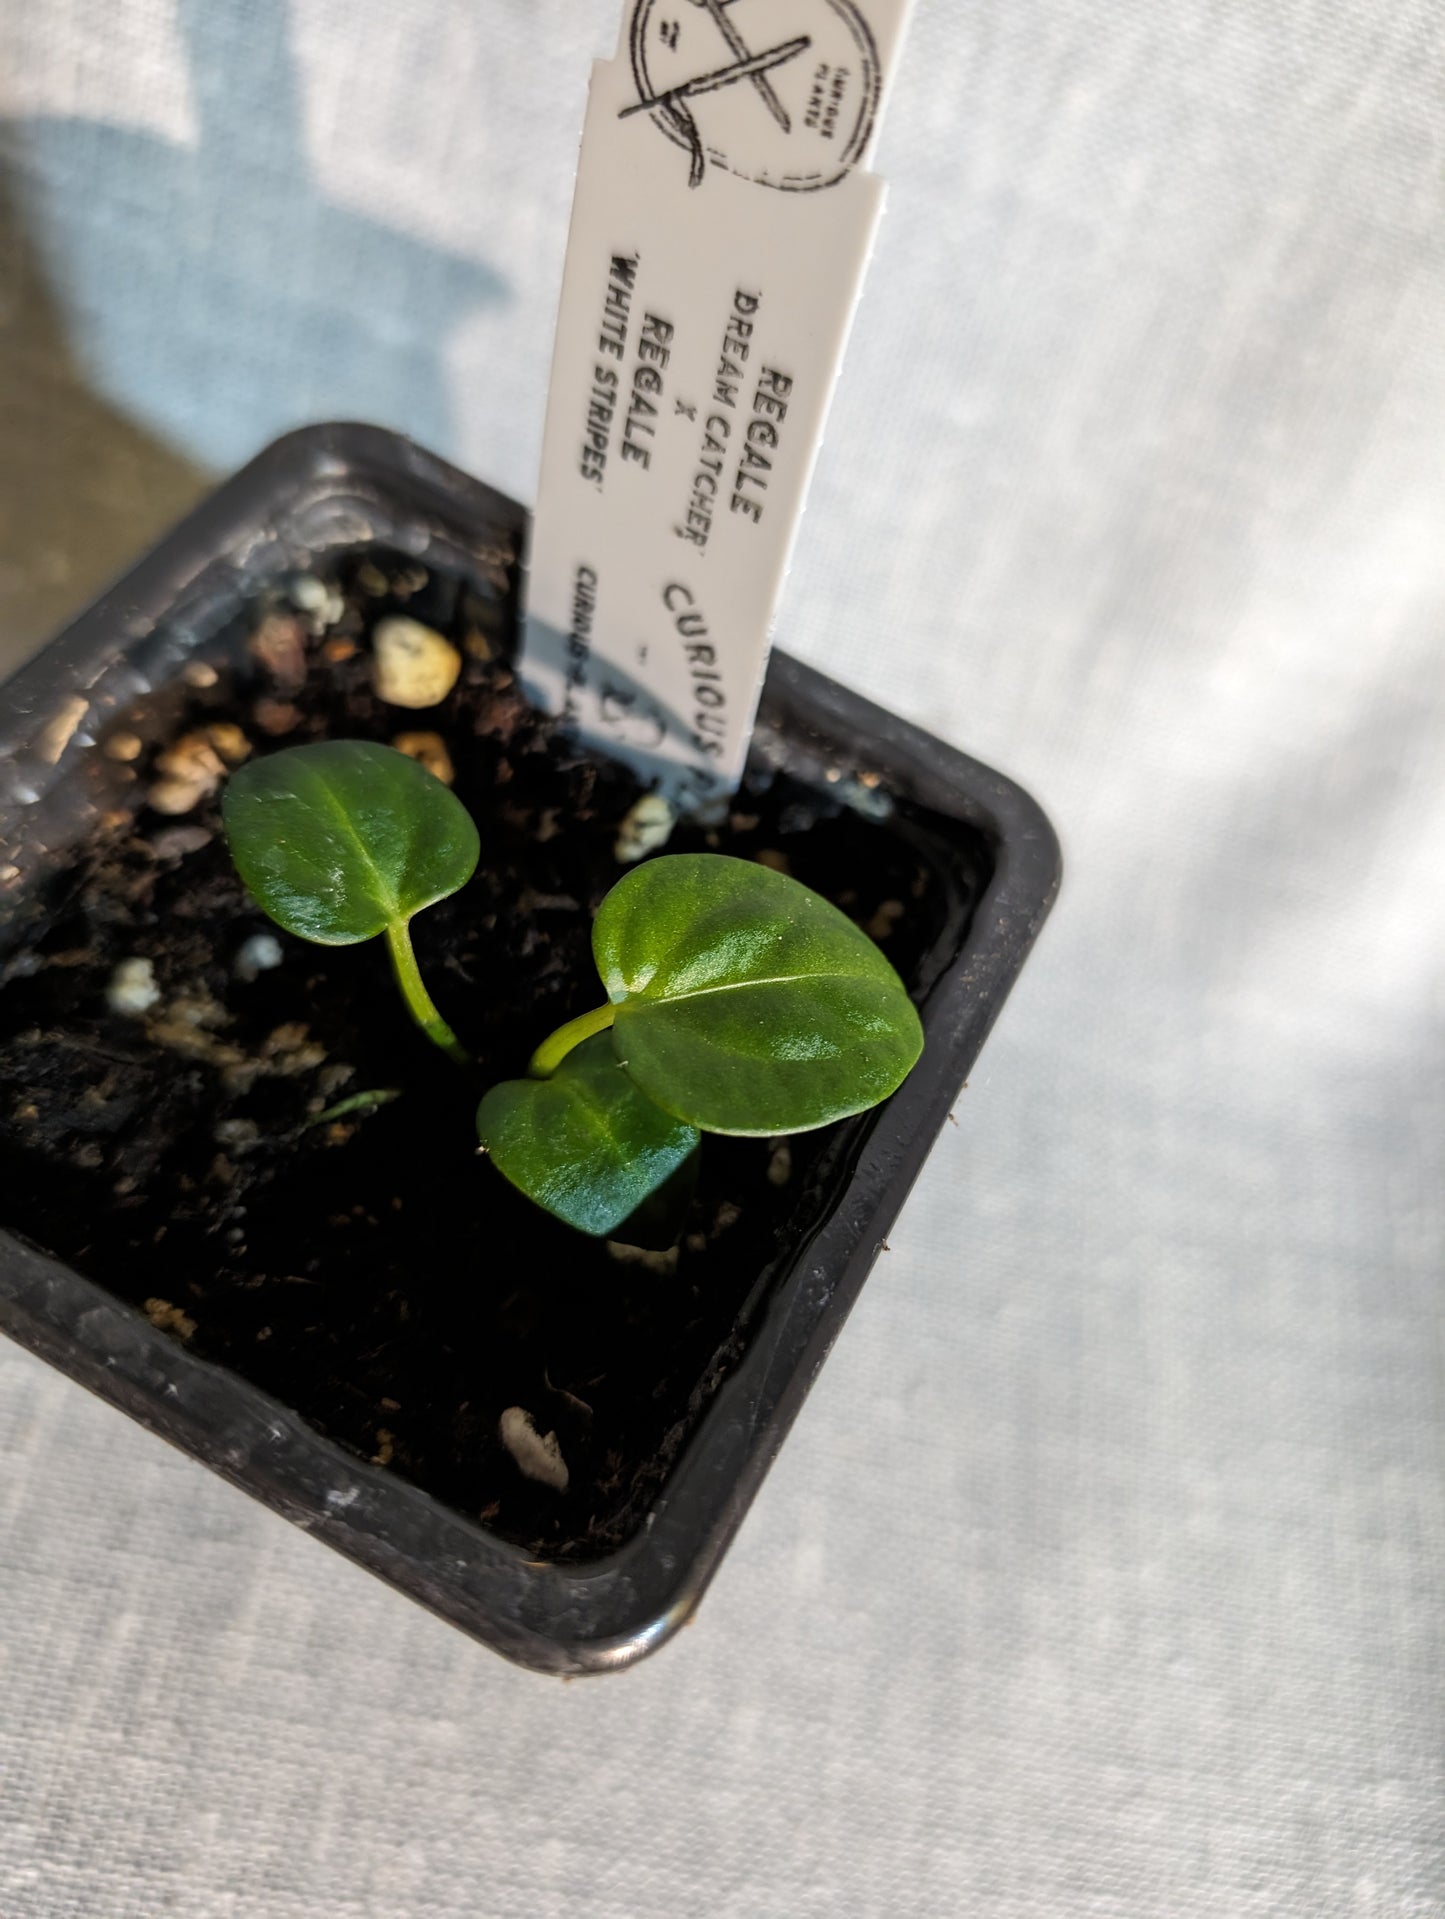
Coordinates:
[369,1269]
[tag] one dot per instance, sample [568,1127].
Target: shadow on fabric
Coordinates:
[211,294]
[83,489]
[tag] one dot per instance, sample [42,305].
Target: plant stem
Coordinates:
[551,1053]
[418,999]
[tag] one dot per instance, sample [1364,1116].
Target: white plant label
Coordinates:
[720,233]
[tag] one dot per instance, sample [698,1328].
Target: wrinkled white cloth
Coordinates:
[1103,1572]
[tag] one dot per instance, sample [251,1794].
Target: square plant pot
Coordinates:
[359,1390]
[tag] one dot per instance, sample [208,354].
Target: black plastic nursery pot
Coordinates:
[319,1297]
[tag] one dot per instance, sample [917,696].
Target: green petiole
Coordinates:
[551,1053]
[419,1001]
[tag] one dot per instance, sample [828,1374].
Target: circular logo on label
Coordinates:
[780,92]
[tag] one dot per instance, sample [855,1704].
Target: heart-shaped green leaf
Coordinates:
[341,840]
[585,1144]
[745,1003]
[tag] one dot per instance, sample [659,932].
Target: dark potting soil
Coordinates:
[369,1269]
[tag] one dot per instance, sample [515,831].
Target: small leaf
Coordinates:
[340,840]
[745,1003]
[585,1144]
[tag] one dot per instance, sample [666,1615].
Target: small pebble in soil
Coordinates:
[415,666]
[428,750]
[276,717]
[780,1164]
[868,799]
[191,771]
[175,797]
[170,1319]
[662,1261]
[318,598]
[229,741]
[200,675]
[124,747]
[132,990]
[279,645]
[538,1455]
[881,926]
[179,842]
[647,825]
[260,954]
[54,739]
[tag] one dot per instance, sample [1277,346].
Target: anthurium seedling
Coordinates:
[737,1001]
[343,841]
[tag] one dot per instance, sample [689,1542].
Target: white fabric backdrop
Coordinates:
[1103,1573]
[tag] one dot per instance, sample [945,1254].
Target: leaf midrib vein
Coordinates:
[385,897]
[740,985]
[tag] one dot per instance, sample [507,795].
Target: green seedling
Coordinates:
[737,1001]
[343,841]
